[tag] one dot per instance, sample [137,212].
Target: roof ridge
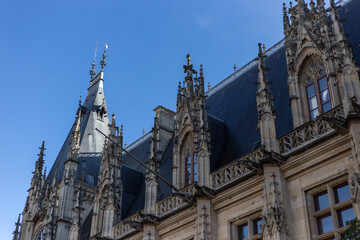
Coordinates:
[138,141]
[244,69]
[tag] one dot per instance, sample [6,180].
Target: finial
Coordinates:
[125,144]
[143,131]
[103,61]
[92,71]
[201,70]
[113,119]
[209,86]
[260,50]
[264,48]
[235,67]
[121,130]
[80,101]
[290,5]
[188,59]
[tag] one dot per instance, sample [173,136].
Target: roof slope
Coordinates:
[232,112]
[94,115]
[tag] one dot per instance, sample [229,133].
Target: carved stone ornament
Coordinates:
[354,187]
[274,220]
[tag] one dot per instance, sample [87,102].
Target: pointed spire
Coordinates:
[103,61]
[113,128]
[265,106]
[75,138]
[93,65]
[17,229]
[201,80]
[286,21]
[188,69]
[262,77]
[209,86]
[40,161]
[235,68]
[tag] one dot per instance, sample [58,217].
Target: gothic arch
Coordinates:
[316,92]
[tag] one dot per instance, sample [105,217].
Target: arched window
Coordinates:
[316,87]
[191,162]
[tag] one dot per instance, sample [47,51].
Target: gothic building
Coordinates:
[278,159]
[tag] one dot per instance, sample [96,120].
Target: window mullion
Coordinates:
[318,96]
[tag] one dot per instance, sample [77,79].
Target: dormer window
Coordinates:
[317,88]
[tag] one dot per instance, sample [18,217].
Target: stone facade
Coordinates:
[303,184]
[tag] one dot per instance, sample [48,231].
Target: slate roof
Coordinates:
[232,112]
[91,142]
[232,118]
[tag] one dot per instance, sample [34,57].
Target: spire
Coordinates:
[114,130]
[75,138]
[39,164]
[17,229]
[262,76]
[188,69]
[337,26]
[40,161]
[201,80]
[235,67]
[93,65]
[265,107]
[285,20]
[154,164]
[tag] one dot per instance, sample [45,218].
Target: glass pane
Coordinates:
[243,232]
[310,90]
[342,193]
[325,224]
[345,215]
[195,168]
[188,170]
[313,103]
[321,201]
[257,224]
[327,107]
[323,84]
[314,113]
[325,97]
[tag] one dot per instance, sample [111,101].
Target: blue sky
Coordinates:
[46,52]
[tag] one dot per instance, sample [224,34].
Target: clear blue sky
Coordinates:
[46,52]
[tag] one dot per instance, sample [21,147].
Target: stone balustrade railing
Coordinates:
[125,227]
[308,132]
[298,138]
[173,202]
[233,170]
